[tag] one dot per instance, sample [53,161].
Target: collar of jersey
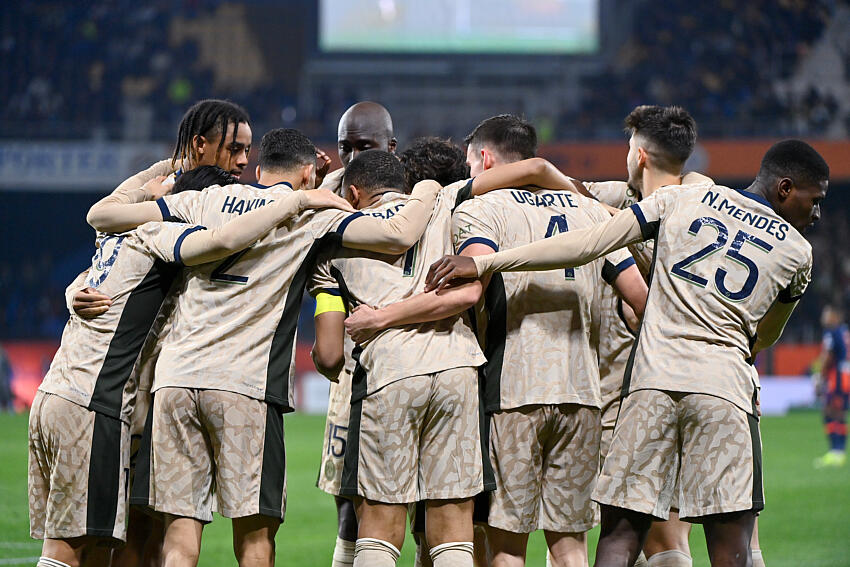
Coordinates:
[755,197]
[261,186]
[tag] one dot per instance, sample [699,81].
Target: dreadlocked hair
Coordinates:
[206,118]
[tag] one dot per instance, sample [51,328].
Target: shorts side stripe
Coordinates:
[348,486]
[104,476]
[758,486]
[273,475]
[141,490]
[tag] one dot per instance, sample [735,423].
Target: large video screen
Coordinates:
[459,26]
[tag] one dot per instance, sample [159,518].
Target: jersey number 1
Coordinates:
[557,225]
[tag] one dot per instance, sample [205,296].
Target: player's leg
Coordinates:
[77,461]
[380,534]
[481,555]
[667,543]
[181,473]
[451,468]
[755,546]
[416,516]
[181,544]
[253,540]
[570,463]
[638,477]
[381,465]
[621,537]
[516,455]
[728,538]
[835,423]
[346,521]
[720,477]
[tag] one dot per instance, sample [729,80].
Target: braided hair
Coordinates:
[206,118]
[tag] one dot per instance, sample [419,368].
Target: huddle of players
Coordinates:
[415,432]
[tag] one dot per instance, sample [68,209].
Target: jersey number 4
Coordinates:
[679,269]
[557,225]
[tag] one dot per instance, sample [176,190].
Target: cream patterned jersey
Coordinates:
[536,326]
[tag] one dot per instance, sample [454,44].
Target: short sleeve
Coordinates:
[612,193]
[799,282]
[452,195]
[474,223]
[322,281]
[651,211]
[164,239]
[615,263]
[186,206]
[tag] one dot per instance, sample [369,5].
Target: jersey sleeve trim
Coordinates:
[180,239]
[478,240]
[786,297]
[166,212]
[464,194]
[610,271]
[648,230]
[346,221]
[329,300]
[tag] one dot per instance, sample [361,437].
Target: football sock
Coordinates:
[452,554]
[48,562]
[672,558]
[371,552]
[758,560]
[548,558]
[641,560]
[343,553]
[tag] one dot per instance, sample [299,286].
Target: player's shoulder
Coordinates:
[613,193]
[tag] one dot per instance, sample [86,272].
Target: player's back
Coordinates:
[93,366]
[379,280]
[537,328]
[235,320]
[722,257]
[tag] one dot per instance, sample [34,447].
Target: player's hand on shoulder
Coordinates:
[449,268]
[323,165]
[325,199]
[89,303]
[363,323]
[157,187]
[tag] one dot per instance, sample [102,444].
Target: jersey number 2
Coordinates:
[557,225]
[733,253]
[219,275]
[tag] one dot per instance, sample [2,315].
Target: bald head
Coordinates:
[364,126]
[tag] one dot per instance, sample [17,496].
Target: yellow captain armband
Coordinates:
[326,302]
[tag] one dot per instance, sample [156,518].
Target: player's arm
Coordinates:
[204,246]
[365,322]
[534,171]
[328,349]
[125,210]
[403,230]
[565,250]
[772,324]
[631,286]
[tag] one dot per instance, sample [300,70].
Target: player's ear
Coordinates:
[643,156]
[308,176]
[353,195]
[487,159]
[257,172]
[784,187]
[198,143]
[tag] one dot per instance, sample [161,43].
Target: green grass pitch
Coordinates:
[805,523]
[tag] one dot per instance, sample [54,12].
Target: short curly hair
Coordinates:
[433,158]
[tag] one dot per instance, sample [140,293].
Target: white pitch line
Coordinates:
[19,560]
